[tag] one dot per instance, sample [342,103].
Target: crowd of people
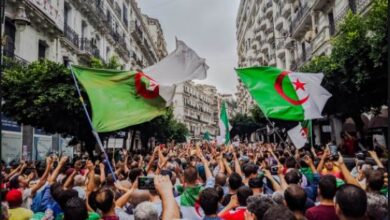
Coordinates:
[259,181]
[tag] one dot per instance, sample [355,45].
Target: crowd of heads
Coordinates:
[260,181]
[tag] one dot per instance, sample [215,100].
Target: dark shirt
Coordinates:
[321,212]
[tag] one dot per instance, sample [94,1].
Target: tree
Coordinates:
[42,94]
[258,115]
[356,71]
[243,126]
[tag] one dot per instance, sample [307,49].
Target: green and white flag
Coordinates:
[301,134]
[286,95]
[224,126]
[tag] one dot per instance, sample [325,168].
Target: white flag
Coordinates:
[298,136]
[181,65]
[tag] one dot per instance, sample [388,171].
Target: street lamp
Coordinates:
[21,20]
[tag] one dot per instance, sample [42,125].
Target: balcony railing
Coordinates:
[71,35]
[302,12]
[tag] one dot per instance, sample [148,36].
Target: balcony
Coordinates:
[289,43]
[280,22]
[286,10]
[94,11]
[301,22]
[255,45]
[362,5]
[320,39]
[86,46]
[46,11]
[136,32]
[96,53]
[72,38]
[280,49]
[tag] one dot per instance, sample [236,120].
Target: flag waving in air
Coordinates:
[224,126]
[120,99]
[286,95]
[300,134]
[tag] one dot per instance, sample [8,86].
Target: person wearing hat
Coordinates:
[15,200]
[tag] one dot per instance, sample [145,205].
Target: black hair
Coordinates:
[278,212]
[293,177]
[375,180]
[295,198]
[258,205]
[256,182]
[242,195]
[75,209]
[103,199]
[352,201]
[250,169]
[208,200]
[134,173]
[235,181]
[220,192]
[291,162]
[14,182]
[328,186]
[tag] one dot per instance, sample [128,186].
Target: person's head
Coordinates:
[65,195]
[376,206]
[250,170]
[134,173]
[295,198]
[17,182]
[242,195]
[258,205]
[79,180]
[256,183]
[220,192]
[75,209]
[139,196]
[190,175]
[278,212]
[375,180]
[351,202]
[327,187]
[104,199]
[293,177]
[328,164]
[145,211]
[235,181]
[208,200]
[291,162]
[220,179]
[14,198]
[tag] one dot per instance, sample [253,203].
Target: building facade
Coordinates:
[196,106]
[74,31]
[287,34]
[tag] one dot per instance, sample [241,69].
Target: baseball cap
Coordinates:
[14,196]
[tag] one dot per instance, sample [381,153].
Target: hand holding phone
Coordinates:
[146,183]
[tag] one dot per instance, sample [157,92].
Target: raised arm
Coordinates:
[43,179]
[69,180]
[102,172]
[55,173]
[275,185]
[121,202]
[344,170]
[322,161]
[91,176]
[170,209]
[376,159]
[237,166]
[204,161]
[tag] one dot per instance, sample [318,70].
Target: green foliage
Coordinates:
[113,63]
[356,71]
[243,126]
[42,94]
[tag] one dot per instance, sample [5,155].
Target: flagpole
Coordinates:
[94,132]
[311,133]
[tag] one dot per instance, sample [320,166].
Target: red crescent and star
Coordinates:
[298,85]
[141,87]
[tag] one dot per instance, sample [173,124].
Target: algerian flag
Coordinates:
[224,126]
[206,136]
[120,99]
[180,66]
[283,94]
[298,135]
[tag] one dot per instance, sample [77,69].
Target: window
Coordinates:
[332,29]
[303,51]
[9,33]
[42,46]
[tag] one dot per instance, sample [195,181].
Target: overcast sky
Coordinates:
[208,27]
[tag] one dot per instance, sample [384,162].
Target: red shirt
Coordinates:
[238,214]
[321,212]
